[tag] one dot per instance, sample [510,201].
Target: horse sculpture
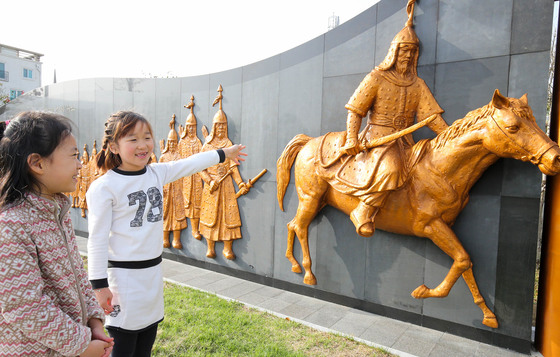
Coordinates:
[442,171]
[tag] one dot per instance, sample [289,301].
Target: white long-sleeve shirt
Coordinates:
[125,224]
[125,211]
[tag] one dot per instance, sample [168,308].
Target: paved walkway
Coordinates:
[400,338]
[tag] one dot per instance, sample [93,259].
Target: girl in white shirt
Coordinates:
[125,227]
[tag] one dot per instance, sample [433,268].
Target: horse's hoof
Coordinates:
[211,254]
[310,279]
[177,245]
[166,244]
[296,268]
[420,292]
[197,235]
[490,322]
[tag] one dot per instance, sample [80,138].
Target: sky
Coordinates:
[164,38]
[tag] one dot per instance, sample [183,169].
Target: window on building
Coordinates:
[27,73]
[2,70]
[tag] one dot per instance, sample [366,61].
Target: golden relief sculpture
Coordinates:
[95,171]
[76,194]
[86,175]
[84,182]
[189,145]
[382,179]
[174,219]
[219,213]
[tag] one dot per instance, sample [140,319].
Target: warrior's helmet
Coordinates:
[172,136]
[219,117]
[406,36]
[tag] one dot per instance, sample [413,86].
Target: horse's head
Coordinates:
[513,132]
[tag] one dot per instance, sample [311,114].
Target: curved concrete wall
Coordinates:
[468,49]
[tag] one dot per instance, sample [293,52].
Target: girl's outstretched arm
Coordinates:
[235,153]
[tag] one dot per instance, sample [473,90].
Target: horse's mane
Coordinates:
[470,122]
[473,119]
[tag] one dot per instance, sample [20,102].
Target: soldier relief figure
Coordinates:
[174,219]
[189,145]
[219,216]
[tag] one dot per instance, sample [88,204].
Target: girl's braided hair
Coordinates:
[117,126]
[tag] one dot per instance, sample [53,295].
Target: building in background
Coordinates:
[20,71]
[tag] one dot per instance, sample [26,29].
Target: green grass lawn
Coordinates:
[201,324]
[197,323]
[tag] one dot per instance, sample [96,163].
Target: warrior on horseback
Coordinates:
[393,94]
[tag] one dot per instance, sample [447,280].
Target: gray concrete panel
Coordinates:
[428,74]
[393,258]
[303,53]
[531,26]
[87,124]
[425,26]
[391,18]
[490,183]
[123,95]
[352,43]
[468,85]
[168,101]
[478,232]
[468,31]
[521,179]
[55,99]
[255,251]
[516,265]
[104,105]
[529,74]
[341,255]
[336,93]
[263,68]
[301,84]
[71,100]
[144,99]
[259,101]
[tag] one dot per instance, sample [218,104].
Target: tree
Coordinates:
[4,98]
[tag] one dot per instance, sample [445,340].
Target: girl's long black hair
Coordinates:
[28,133]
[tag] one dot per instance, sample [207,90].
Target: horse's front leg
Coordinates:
[442,236]
[489,317]
[440,233]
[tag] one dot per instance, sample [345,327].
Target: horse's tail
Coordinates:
[284,165]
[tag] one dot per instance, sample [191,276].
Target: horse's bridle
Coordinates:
[535,159]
